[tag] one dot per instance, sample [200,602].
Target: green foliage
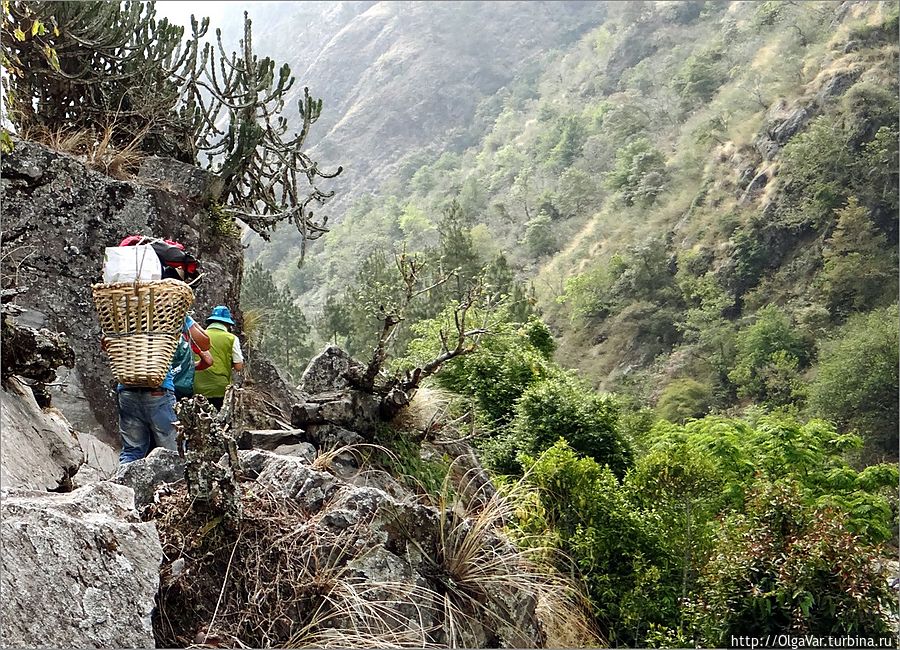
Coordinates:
[614,546]
[856,384]
[283,331]
[568,145]
[539,235]
[859,270]
[335,320]
[577,190]
[540,337]
[639,174]
[784,567]
[683,399]
[701,75]
[403,460]
[498,372]
[456,251]
[561,407]
[778,447]
[769,354]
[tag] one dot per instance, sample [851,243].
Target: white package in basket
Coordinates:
[130,264]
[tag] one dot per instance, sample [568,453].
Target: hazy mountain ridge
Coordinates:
[401,77]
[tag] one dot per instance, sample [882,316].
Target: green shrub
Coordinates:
[701,75]
[768,347]
[779,447]
[856,384]
[561,407]
[615,547]
[786,568]
[498,372]
[639,173]
[859,268]
[684,399]
[540,236]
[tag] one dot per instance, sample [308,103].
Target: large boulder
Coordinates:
[147,475]
[329,371]
[79,570]
[38,449]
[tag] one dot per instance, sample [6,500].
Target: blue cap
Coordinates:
[221,314]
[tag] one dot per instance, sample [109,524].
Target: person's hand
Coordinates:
[205,360]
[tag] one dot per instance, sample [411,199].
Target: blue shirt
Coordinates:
[168,382]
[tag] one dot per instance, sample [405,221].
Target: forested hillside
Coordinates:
[683,231]
[700,196]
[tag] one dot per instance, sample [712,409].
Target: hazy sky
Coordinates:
[180,12]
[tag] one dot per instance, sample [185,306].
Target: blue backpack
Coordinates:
[183,369]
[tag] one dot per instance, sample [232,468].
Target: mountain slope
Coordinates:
[400,77]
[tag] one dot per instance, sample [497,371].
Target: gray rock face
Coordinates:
[147,475]
[100,460]
[350,409]
[79,570]
[302,450]
[269,439]
[183,179]
[38,450]
[67,214]
[329,371]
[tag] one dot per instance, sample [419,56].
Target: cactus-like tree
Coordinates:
[115,68]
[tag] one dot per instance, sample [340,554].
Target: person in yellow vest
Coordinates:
[225,349]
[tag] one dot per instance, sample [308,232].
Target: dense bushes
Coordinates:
[616,548]
[639,173]
[721,527]
[562,407]
[769,354]
[783,567]
[857,380]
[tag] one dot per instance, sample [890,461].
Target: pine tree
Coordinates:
[859,268]
[455,250]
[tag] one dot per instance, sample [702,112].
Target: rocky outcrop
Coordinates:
[329,371]
[147,475]
[79,570]
[38,449]
[783,120]
[34,354]
[406,568]
[59,215]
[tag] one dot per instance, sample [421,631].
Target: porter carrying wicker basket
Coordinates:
[142,322]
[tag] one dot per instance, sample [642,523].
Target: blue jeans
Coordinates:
[146,421]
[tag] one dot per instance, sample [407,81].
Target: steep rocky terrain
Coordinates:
[331,548]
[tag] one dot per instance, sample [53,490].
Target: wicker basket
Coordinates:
[142,322]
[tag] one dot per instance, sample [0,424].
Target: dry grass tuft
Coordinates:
[283,578]
[427,408]
[280,580]
[97,149]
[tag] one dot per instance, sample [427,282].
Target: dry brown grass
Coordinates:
[98,150]
[280,580]
[283,579]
